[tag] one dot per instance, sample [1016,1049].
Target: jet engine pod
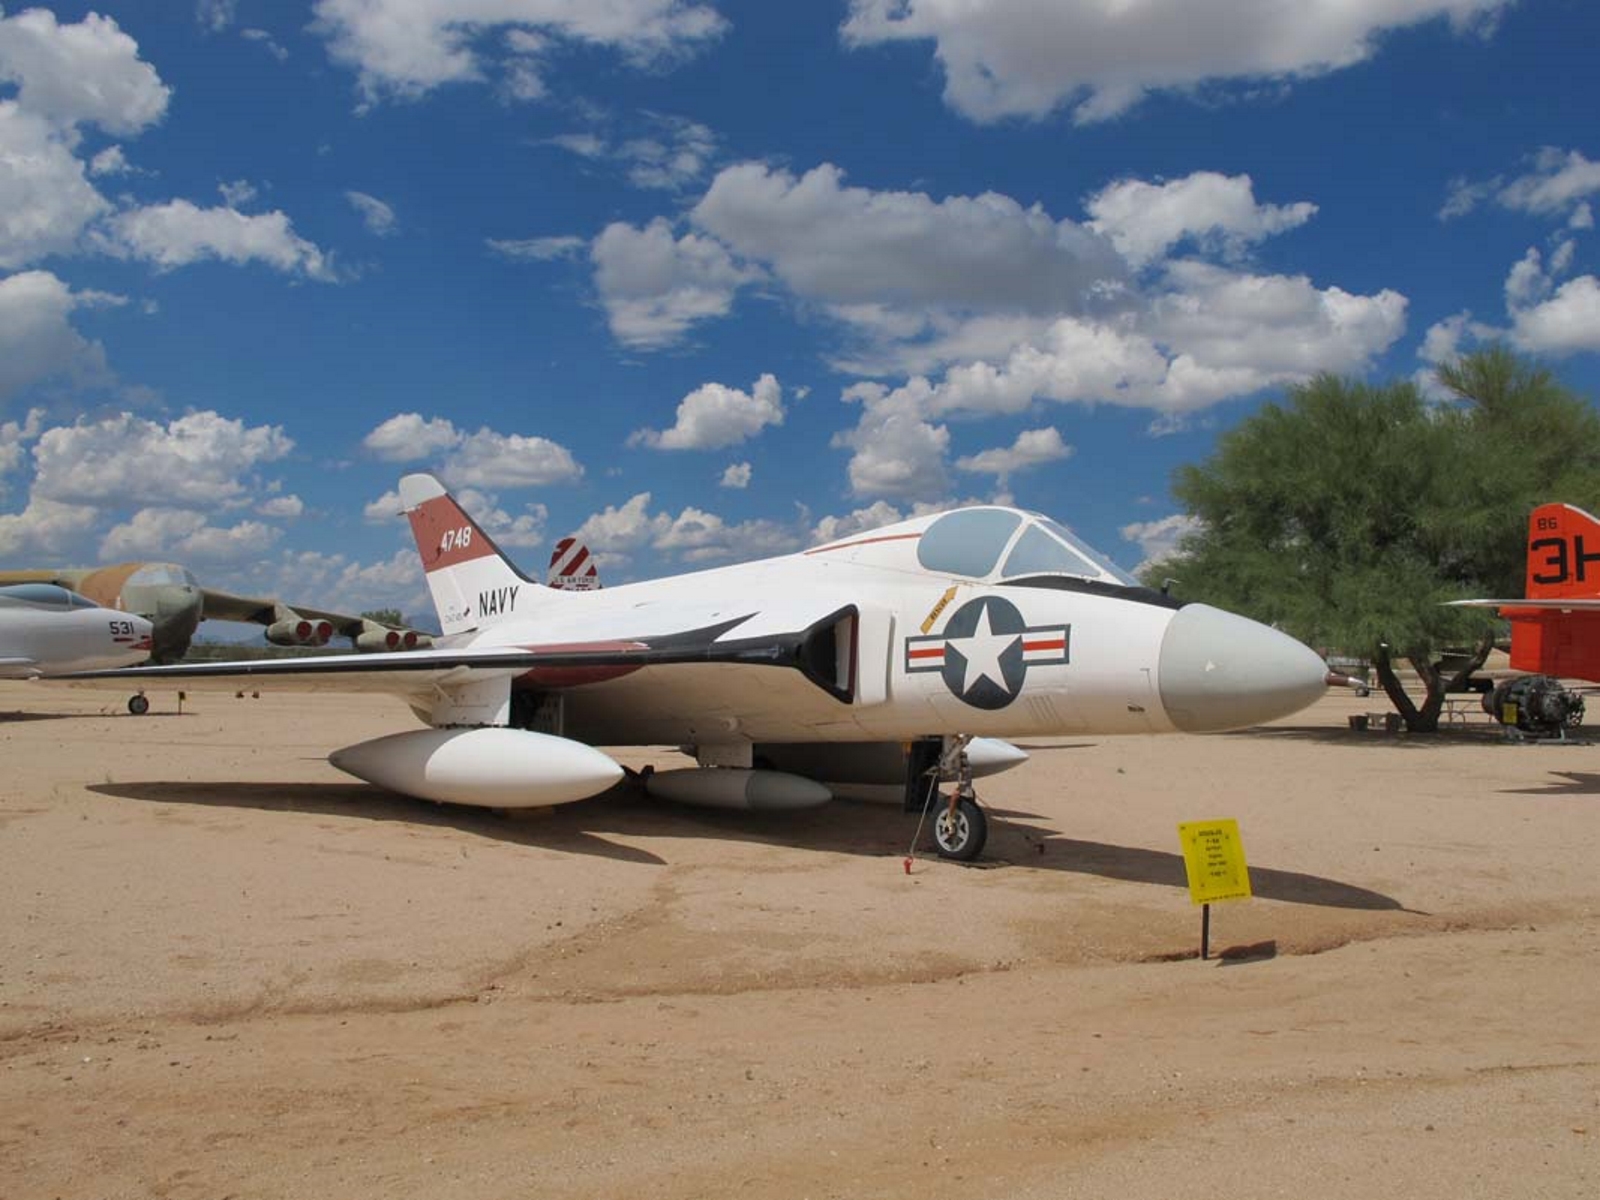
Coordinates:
[737,787]
[490,766]
[292,631]
[295,630]
[374,637]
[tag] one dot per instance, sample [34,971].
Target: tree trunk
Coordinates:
[1436,685]
[1417,720]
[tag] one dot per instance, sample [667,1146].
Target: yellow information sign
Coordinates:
[1213,857]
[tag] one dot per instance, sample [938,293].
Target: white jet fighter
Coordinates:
[47,630]
[875,659]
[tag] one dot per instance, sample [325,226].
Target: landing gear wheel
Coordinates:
[960,832]
[138,705]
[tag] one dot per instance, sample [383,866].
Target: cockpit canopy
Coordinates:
[48,596]
[162,575]
[1009,544]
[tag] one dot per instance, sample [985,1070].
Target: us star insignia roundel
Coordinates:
[985,651]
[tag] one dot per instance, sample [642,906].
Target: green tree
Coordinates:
[385,616]
[1350,513]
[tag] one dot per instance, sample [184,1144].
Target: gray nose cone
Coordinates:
[1222,671]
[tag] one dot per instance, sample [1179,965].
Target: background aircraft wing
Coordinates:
[551,666]
[1564,604]
[277,614]
[225,606]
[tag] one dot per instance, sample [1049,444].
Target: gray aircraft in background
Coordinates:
[49,630]
[173,601]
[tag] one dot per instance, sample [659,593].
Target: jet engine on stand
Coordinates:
[1536,705]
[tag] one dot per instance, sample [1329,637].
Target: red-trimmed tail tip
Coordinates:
[445,534]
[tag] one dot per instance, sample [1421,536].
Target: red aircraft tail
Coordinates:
[472,582]
[1558,631]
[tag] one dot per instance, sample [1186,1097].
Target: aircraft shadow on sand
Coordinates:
[373,804]
[1447,736]
[116,712]
[844,827]
[1562,783]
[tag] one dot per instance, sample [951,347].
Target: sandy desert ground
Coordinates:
[227,970]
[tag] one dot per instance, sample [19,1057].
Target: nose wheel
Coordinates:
[960,829]
[960,826]
[138,705]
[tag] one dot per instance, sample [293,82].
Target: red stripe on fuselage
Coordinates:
[892,537]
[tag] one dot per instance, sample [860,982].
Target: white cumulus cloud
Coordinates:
[37,339]
[87,73]
[1145,220]
[1210,334]
[693,534]
[408,437]
[487,459]
[1032,448]
[160,532]
[896,450]
[406,48]
[201,460]
[1558,183]
[1566,323]
[178,233]
[45,527]
[861,520]
[714,416]
[1158,539]
[484,459]
[46,200]
[282,506]
[1007,58]
[854,246]
[655,285]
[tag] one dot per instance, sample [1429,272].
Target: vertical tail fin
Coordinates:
[1563,564]
[1563,553]
[572,567]
[472,582]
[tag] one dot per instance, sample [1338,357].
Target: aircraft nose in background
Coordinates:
[1222,671]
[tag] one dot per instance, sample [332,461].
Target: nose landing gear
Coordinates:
[960,826]
[961,829]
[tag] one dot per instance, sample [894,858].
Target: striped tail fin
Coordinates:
[572,567]
[472,582]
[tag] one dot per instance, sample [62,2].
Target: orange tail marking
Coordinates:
[1563,563]
[1563,553]
[445,535]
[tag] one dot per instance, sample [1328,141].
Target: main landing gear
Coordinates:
[138,704]
[960,827]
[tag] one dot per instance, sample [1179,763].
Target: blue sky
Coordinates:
[707,280]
